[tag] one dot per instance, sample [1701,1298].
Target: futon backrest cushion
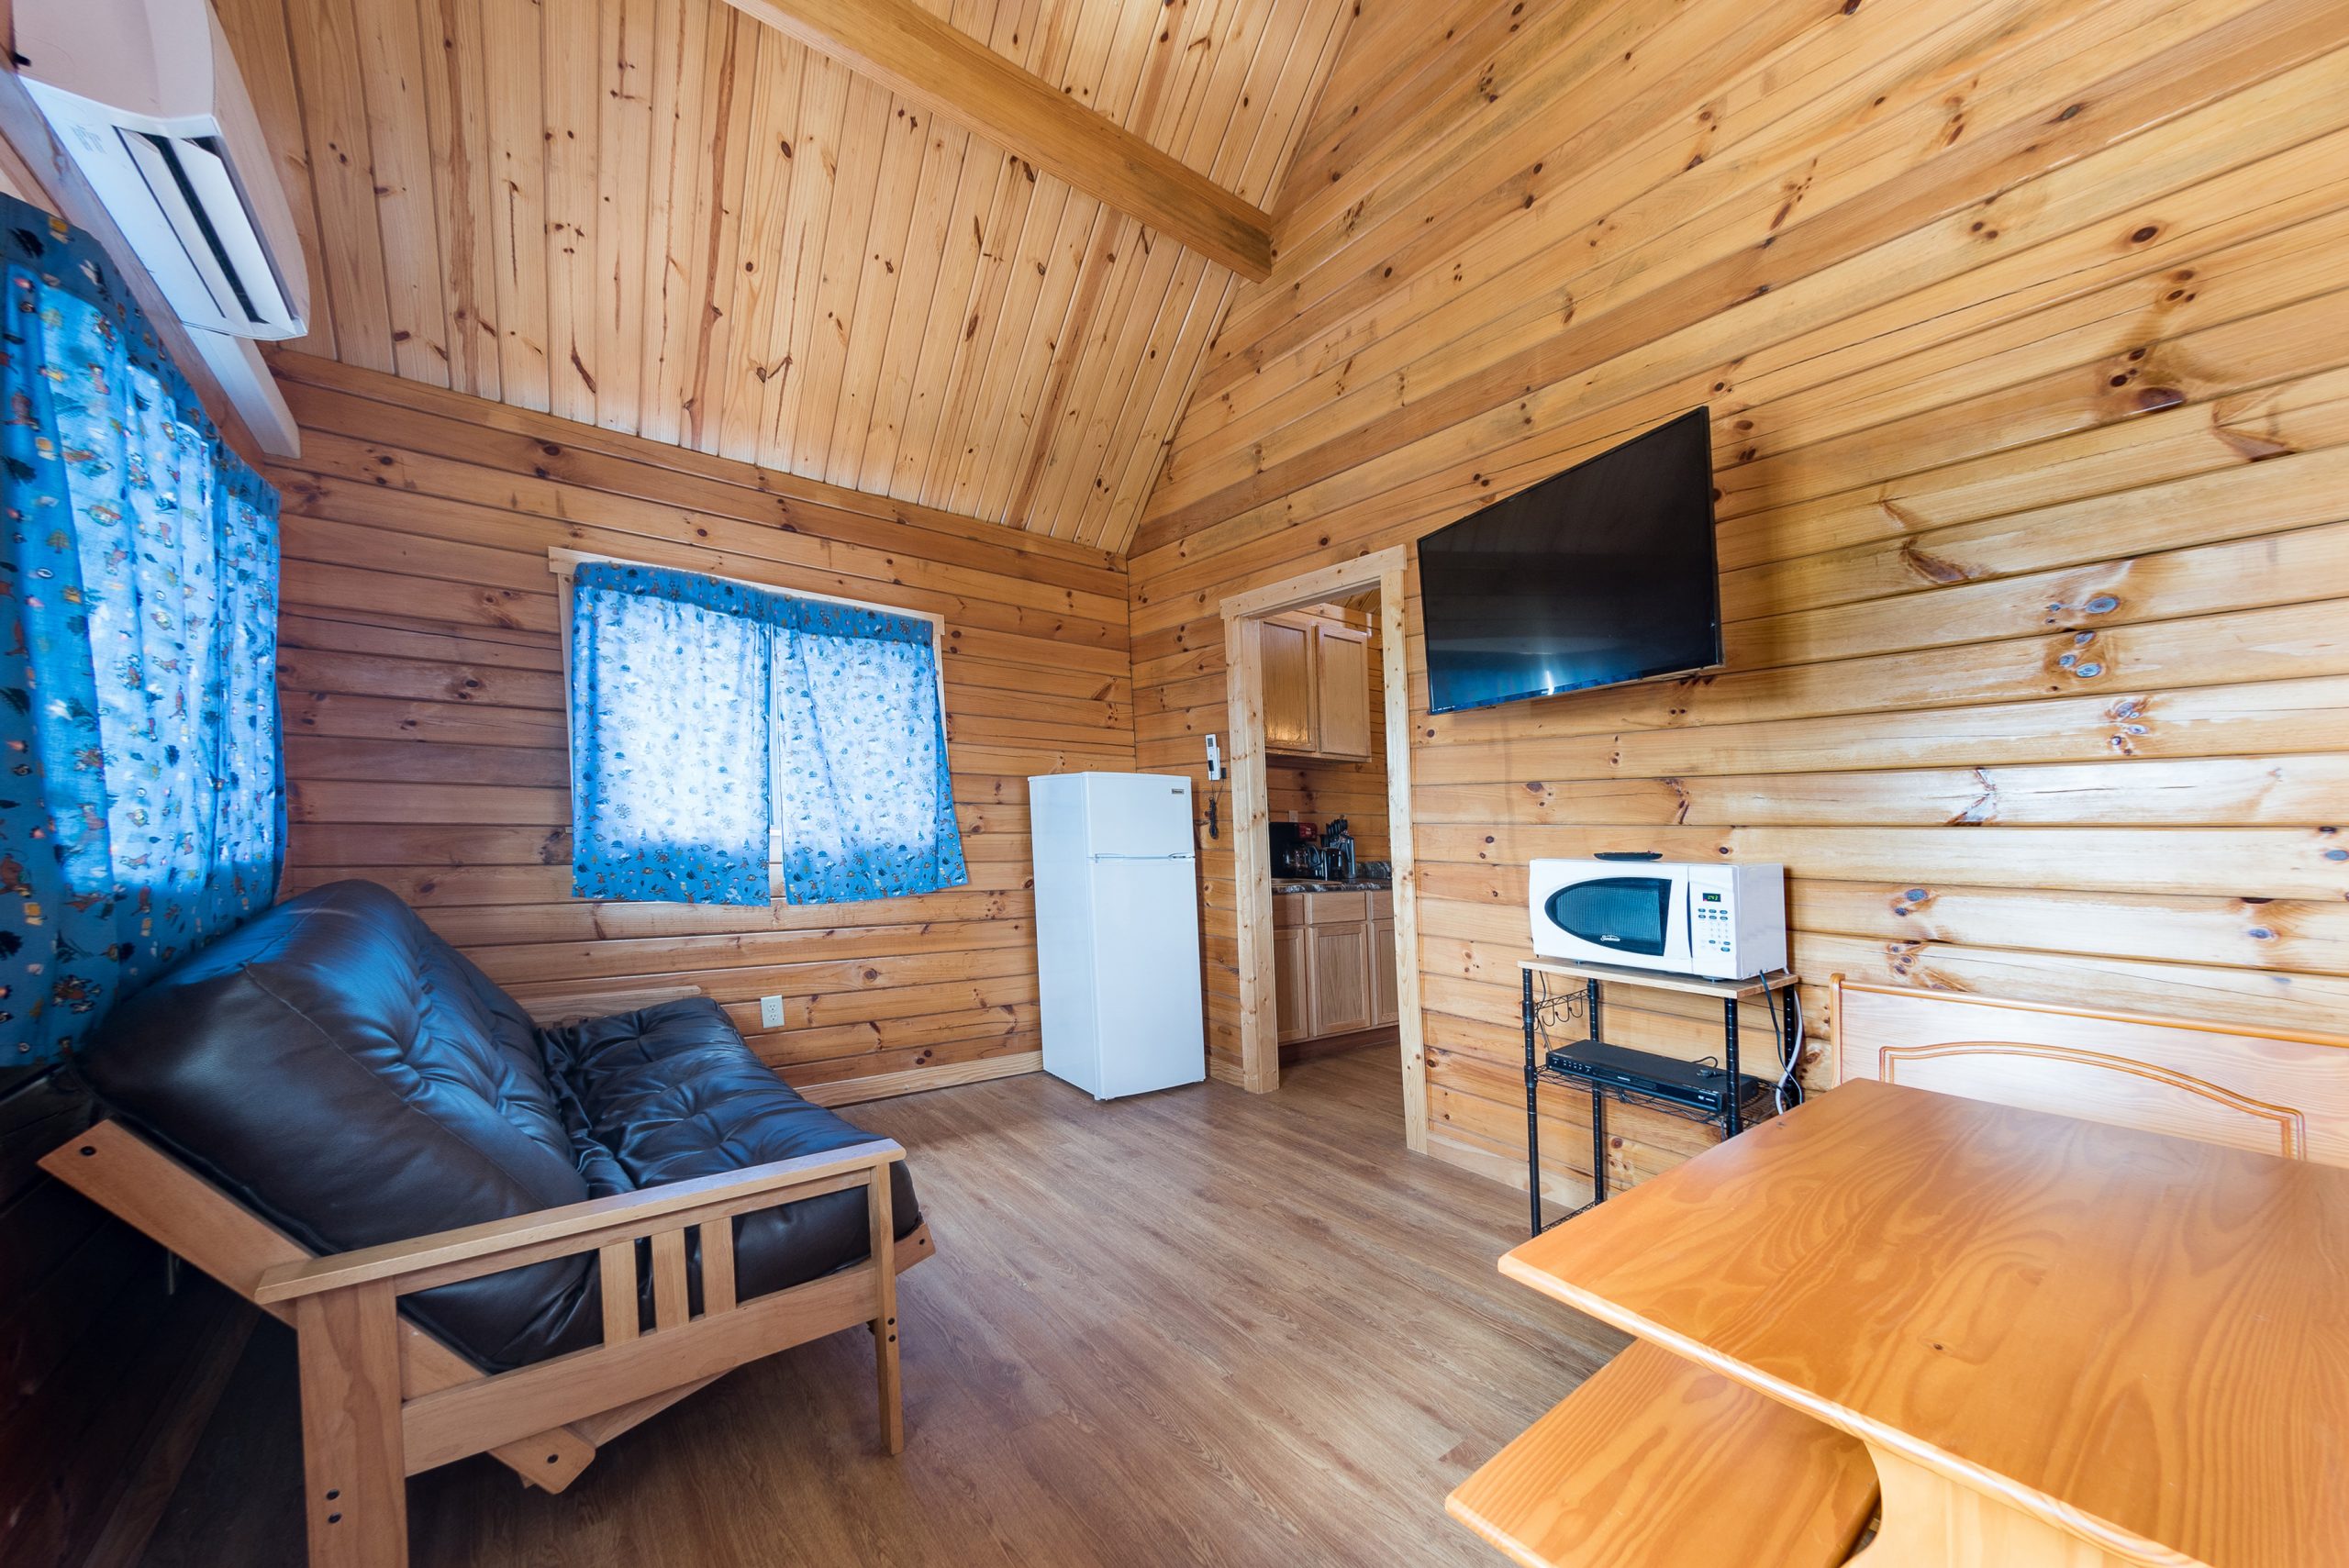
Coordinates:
[355,1080]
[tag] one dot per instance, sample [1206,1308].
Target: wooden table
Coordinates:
[2063,1342]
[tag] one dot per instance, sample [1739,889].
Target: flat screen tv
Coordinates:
[1601,574]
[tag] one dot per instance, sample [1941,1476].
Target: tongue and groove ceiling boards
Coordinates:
[668,218]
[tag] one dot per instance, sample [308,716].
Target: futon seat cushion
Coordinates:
[349,1077]
[672,1093]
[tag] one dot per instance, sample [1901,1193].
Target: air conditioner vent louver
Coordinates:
[193,186]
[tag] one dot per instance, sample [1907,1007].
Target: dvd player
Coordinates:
[1690,1083]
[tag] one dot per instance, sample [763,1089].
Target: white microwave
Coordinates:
[1721,922]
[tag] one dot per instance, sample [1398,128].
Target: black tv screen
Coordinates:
[1601,574]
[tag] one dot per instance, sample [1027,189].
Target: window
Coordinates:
[725,736]
[144,804]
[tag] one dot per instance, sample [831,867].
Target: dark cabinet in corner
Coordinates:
[1333,963]
[1316,687]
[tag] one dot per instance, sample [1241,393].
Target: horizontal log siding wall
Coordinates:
[2025,324]
[421,678]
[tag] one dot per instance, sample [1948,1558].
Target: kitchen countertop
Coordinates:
[1307,884]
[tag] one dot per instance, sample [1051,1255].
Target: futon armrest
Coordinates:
[551,1007]
[449,1256]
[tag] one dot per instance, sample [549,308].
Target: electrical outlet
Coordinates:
[770,1012]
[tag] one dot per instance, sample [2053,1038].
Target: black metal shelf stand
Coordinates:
[1730,1119]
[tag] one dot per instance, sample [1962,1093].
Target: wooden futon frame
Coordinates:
[382,1399]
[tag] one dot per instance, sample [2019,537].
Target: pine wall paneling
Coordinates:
[421,681]
[2026,330]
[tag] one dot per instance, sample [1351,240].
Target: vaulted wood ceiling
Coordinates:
[667,218]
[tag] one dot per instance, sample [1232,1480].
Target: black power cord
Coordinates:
[1787,1059]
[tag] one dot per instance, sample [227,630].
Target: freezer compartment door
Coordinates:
[1148,1031]
[1142,816]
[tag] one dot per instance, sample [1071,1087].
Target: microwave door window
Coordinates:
[1623,914]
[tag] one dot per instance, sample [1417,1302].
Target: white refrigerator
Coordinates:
[1118,931]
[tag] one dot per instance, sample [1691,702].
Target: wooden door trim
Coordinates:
[1330,583]
[1244,615]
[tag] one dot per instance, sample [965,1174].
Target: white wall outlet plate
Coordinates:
[770,1012]
[1215,758]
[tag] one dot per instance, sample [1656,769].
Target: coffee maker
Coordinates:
[1338,850]
[1296,850]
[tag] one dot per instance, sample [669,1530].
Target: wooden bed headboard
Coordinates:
[2280,1092]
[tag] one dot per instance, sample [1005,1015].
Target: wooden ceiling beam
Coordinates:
[920,56]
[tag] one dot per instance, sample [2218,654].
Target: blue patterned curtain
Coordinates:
[704,710]
[865,799]
[141,809]
[669,683]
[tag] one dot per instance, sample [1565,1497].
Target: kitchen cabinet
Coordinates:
[1385,1005]
[1342,684]
[1334,964]
[1290,997]
[1288,687]
[1316,688]
[1338,962]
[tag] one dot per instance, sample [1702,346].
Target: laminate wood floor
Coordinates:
[1200,1327]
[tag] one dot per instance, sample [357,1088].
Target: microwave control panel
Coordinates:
[1736,919]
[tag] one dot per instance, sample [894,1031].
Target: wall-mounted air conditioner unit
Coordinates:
[146,97]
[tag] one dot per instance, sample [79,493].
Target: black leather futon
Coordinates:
[355,1080]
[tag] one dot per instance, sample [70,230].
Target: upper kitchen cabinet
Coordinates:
[1289,727]
[1342,684]
[1317,686]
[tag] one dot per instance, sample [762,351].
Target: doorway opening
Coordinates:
[1261,639]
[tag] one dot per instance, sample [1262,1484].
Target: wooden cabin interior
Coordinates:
[1241,782]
